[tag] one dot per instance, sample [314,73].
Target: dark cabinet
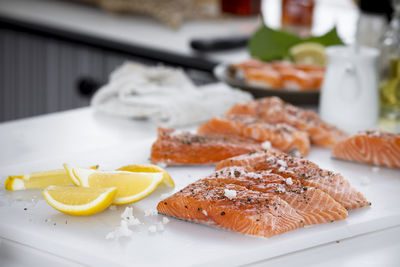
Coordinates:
[40,74]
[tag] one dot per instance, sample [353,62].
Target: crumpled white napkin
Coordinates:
[164,95]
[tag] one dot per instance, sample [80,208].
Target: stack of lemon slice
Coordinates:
[86,191]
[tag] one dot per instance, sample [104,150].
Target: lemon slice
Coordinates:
[79,201]
[149,168]
[40,180]
[132,186]
[309,53]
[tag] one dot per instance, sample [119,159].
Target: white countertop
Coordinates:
[129,29]
[37,143]
[150,33]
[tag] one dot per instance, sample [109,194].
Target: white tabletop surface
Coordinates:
[25,143]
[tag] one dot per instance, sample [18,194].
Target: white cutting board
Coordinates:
[181,243]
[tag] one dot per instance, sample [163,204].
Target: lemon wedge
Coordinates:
[149,168]
[40,180]
[308,53]
[132,186]
[79,201]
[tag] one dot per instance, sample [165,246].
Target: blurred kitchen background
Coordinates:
[54,54]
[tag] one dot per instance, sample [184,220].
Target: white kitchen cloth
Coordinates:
[164,95]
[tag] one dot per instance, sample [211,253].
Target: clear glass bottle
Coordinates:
[390,68]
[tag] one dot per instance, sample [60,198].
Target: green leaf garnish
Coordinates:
[268,44]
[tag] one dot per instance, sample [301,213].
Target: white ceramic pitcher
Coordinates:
[349,97]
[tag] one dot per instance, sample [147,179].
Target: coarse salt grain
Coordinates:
[162,164]
[281,189]
[110,235]
[205,212]
[375,133]
[176,132]
[254,175]
[289,181]
[150,212]
[165,220]
[281,169]
[231,194]
[266,145]
[152,229]
[270,159]
[281,162]
[113,207]
[128,212]
[375,169]
[128,217]
[122,230]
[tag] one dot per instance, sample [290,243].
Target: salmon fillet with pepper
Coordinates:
[281,136]
[306,171]
[314,205]
[372,147]
[274,110]
[184,148]
[248,212]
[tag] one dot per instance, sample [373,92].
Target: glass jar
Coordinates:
[297,16]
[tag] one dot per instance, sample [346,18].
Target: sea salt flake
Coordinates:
[152,229]
[165,220]
[128,212]
[281,169]
[289,181]
[281,162]
[270,159]
[205,212]
[150,212]
[110,235]
[162,165]
[266,145]
[375,133]
[128,217]
[122,230]
[375,169]
[231,194]
[281,189]
[254,175]
[177,132]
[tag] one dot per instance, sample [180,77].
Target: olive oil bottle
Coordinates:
[390,91]
[390,69]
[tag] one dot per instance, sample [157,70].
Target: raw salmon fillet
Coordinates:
[264,76]
[306,171]
[372,147]
[274,110]
[314,205]
[249,212]
[281,136]
[279,74]
[181,148]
